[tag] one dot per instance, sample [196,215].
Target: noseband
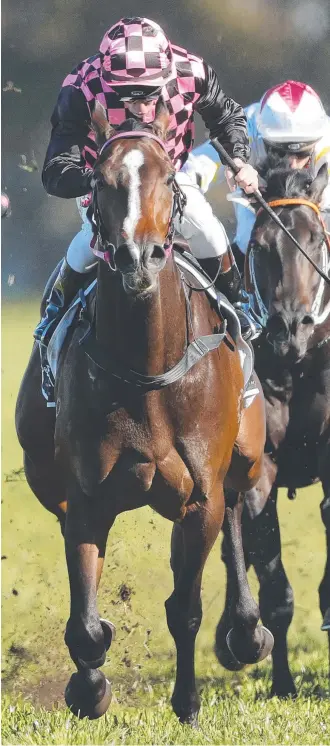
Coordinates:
[106,250]
[260,310]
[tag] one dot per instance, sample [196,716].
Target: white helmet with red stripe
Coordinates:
[292,115]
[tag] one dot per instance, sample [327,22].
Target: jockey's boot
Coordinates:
[65,287]
[229,282]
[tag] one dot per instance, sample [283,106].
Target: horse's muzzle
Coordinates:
[130,258]
[289,336]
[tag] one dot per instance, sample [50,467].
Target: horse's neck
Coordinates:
[147,335]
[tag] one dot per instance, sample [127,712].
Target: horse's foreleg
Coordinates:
[247,641]
[192,540]
[261,534]
[324,588]
[87,636]
[225,657]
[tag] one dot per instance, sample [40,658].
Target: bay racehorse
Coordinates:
[292,359]
[148,410]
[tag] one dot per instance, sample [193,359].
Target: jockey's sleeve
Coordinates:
[224,118]
[64,172]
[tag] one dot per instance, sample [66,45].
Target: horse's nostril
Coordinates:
[277,326]
[127,258]
[307,319]
[158,252]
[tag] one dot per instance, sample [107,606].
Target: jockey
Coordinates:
[135,65]
[289,120]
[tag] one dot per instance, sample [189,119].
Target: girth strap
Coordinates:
[196,350]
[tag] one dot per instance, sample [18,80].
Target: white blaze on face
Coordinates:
[133,161]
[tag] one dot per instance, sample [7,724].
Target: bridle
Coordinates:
[101,246]
[252,285]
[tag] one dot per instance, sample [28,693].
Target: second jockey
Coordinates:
[290,120]
[135,65]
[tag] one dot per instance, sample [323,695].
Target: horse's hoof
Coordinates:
[265,642]
[227,659]
[187,711]
[326,621]
[284,692]
[109,632]
[79,697]
[191,719]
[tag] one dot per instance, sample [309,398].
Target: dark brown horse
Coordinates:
[292,359]
[138,424]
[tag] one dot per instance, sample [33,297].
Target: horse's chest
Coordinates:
[135,459]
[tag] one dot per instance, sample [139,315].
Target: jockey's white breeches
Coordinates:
[245,220]
[206,235]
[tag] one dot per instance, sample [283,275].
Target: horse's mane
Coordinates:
[283,181]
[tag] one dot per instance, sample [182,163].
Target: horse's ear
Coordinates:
[318,185]
[162,119]
[102,128]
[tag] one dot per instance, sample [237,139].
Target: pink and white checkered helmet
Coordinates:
[136,52]
[291,114]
